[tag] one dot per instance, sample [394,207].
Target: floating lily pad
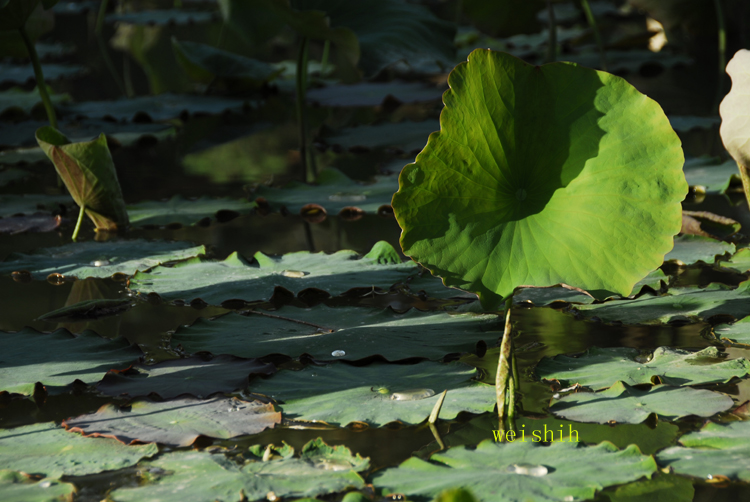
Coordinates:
[194,375]
[205,62]
[376,394]
[234,278]
[14,205]
[480,198]
[20,74]
[715,450]
[178,422]
[358,333]
[89,309]
[373,94]
[710,175]
[11,175]
[47,449]
[738,332]
[599,368]
[739,262]
[183,211]
[519,471]
[622,403]
[688,123]
[407,136]
[58,359]
[333,191]
[20,487]
[630,61]
[29,223]
[22,156]
[99,259]
[665,488]
[24,101]
[691,249]
[542,297]
[126,134]
[162,17]
[678,304]
[319,470]
[161,107]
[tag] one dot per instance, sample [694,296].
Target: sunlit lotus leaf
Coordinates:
[686,123]
[162,17]
[235,278]
[89,175]
[21,487]
[678,304]
[196,376]
[407,136]
[205,62]
[58,359]
[715,450]
[48,449]
[334,191]
[664,488]
[710,175]
[624,404]
[599,368]
[319,470]
[373,93]
[21,74]
[735,119]
[739,262]
[690,249]
[498,471]
[630,60]
[359,333]
[18,100]
[178,422]
[99,259]
[540,176]
[13,205]
[738,332]
[377,393]
[180,210]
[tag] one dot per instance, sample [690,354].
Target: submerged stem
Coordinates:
[722,28]
[745,175]
[301,82]
[78,223]
[504,373]
[40,83]
[592,22]
[103,49]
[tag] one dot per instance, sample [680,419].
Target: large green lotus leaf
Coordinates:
[21,74]
[89,175]
[376,394]
[194,375]
[599,368]
[333,191]
[739,262]
[12,204]
[202,476]
[624,404]
[714,450]
[738,332]
[205,62]
[690,249]
[58,359]
[540,176]
[665,488]
[630,60]
[159,108]
[178,422]
[18,99]
[162,17]
[373,94]
[710,175]
[18,487]
[234,278]
[678,304]
[180,210]
[734,109]
[496,471]
[48,449]
[359,333]
[407,136]
[687,123]
[99,259]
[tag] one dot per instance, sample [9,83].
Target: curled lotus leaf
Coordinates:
[542,175]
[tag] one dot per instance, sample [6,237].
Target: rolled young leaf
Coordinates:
[89,174]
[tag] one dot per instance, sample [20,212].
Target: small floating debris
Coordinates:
[412,395]
[338,353]
[527,469]
[296,274]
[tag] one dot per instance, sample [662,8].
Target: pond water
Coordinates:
[219,157]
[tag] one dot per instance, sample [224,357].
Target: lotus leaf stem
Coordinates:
[436,410]
[324,58]
[722,28]
[305,157]
[503,378]
[40,83]
[592,22]
[436,435]
[78,223]
[103,49]
[552,42]
[745,176]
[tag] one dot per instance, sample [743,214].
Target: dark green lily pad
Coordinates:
[691,249]
[359,333]
[178,422]
[687,123]
[665,488]
[88,309]
[377,393]
[715,450]
[99,259]
[319,470]
[158,108]
[373,94]
[58,359]
[162,17]
[194,375]
[738,332]
[24,101]
[630,61]
[542,297]
[495,471]
[622,403]
[11,175]
[20,74]
[333,191]
[599,368]
[234,278]
[408,136]
[14,205]
[710,175]
[739,262]
[47,449]
[183,211]
[20,487]
[205,62]
[23,156]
